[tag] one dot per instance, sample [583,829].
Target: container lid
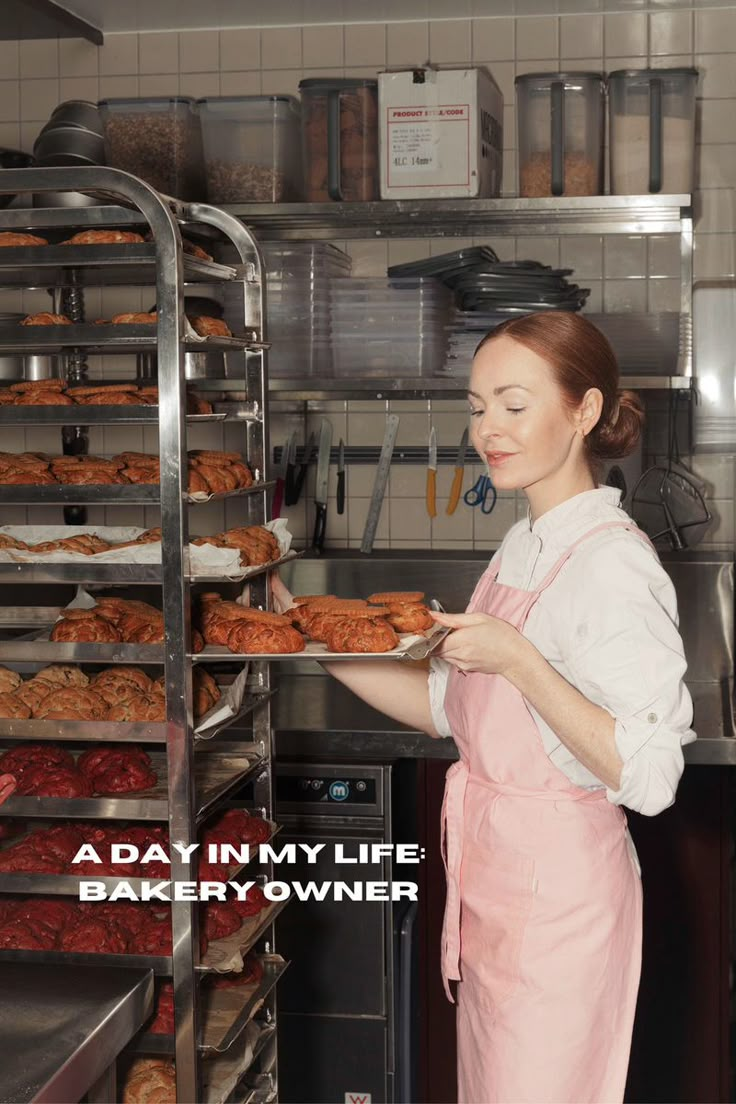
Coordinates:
[550,77]
[327,84]
[649,74]
[117,101]
[225,101]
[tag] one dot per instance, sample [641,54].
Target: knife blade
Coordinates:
[289,471]
[432,474]
[279,498]
[457,482]
[307,457]
[341,477]
[320,490]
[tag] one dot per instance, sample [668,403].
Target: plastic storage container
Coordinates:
[251,148]
[652,130]
[561,130]
[340,139]
[157,139]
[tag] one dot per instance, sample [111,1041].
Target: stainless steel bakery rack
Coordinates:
[197,775]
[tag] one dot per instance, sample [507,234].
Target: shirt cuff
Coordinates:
[653,764]
[439,672]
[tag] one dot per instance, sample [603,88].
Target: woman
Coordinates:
[563,688]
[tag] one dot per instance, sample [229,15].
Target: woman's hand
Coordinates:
[283,599]
[481,643]
[7,787]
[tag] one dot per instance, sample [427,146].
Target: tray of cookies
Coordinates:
[390,625]
[56,394]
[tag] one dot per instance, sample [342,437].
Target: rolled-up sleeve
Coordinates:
[439,672]
[622,646]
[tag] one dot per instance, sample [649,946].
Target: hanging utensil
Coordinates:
[379,484]
[482,494]
[289,473]
[668,501]
[320,490]
[457,481]
[307,457]
[280,490]
[341,477]
[432,474]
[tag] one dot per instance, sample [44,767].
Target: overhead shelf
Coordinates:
[430,387]
[444,218]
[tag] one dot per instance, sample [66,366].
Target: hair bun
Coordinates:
[619,434]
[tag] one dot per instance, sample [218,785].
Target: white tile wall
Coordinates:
[622,273]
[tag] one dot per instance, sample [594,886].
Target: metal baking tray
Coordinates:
[145,732]
[117,494]
[226,1078]
[96,415]
[128,263]
[48,651]
[113,339]
[235,1008]
[422,648]
[215,775]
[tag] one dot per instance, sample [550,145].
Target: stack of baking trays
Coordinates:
[113,734]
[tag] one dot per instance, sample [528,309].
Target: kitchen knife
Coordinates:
[307,457]
[432,474]
[289,471]
[278,492]
[320,490]
[341,478]
[379,483]
[457,482]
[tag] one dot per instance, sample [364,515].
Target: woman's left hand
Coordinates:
[480,642]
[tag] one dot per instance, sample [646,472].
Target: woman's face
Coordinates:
[519,425]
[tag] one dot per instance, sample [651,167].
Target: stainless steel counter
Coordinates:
[316,717]
[61,1029]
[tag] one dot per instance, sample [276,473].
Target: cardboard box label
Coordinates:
[433,140]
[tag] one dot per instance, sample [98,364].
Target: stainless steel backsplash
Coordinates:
[704,583]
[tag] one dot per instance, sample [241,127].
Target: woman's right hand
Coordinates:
[283,599]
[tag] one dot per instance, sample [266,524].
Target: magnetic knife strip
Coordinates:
[370,454]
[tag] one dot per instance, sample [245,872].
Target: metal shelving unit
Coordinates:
[196,775]
[496,218]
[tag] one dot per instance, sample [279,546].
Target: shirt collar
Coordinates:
[572,511]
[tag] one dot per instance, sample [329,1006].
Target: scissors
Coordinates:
[482,494]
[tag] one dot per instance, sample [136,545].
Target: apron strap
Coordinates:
[557,567]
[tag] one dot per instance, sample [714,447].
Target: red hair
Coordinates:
[581,357]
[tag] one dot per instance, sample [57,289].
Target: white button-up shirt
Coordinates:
[607,624]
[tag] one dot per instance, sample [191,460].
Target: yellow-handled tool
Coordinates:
[432,474]
[457,482]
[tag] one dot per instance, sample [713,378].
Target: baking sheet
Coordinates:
[204,559]
[225,956]
[412,646]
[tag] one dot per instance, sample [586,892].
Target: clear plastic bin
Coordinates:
[157,139]
[652,130]
[251,148]
[340,139]
[561,127]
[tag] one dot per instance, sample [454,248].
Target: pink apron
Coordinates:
[543,915]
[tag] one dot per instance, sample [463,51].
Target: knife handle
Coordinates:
[298,484]
[457,486]
[278,498]
[289,485]
[432,492]
[320,524]
[341,492]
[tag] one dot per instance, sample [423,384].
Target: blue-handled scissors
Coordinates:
[482,494]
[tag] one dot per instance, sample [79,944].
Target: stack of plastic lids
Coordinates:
[390,327]
[488,291]
[299,281]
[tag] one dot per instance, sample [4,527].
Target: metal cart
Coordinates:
[196,776]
